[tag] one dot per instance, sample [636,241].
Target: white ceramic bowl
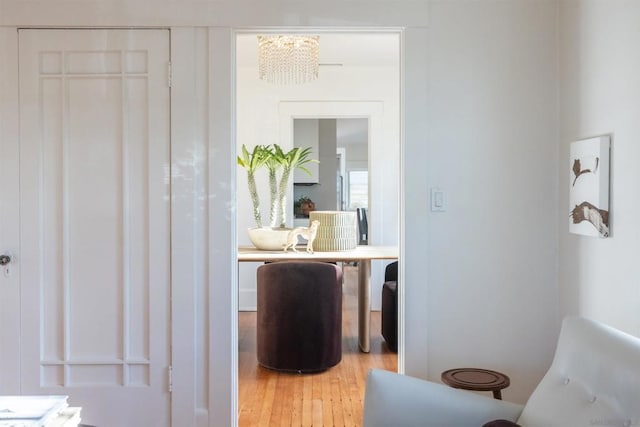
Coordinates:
[269,239]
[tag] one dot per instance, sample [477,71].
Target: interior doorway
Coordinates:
[360,81]
[341,180]
[360,78]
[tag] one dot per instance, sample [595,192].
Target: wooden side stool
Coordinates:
[476,380]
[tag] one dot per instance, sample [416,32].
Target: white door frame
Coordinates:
[9,210]
[234,282]
[370,110]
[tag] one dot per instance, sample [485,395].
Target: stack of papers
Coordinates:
[30,411]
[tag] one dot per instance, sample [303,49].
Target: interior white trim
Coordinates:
[223,244]
[9,213]
[413,295]
[371,110]
[300,109]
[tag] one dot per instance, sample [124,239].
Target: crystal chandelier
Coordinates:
[285,59]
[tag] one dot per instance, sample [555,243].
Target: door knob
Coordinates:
[5,259]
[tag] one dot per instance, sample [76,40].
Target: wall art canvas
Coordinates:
[589,187]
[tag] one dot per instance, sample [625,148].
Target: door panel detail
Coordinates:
[95,224]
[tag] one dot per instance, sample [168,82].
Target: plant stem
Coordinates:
[282,195]
[273,187]
[251,181]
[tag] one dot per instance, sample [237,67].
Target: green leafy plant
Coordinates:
[302,200]
[296,158]
[303,206]
[274,159]
[252,162]
[273,164]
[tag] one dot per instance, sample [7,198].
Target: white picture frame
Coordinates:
[589,187]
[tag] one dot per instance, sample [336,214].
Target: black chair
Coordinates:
[390,306]
[363,226]
[299,316]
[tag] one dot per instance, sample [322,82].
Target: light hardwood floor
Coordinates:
[331,398]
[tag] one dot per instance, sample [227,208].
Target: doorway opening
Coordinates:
[359,80]
[341,181]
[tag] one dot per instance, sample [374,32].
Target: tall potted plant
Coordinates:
[275,160]
[296,158]
[252,162]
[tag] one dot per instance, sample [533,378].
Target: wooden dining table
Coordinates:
[361,254]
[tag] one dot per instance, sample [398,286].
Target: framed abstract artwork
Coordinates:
[589,187]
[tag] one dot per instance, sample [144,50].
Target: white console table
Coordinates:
[362,254]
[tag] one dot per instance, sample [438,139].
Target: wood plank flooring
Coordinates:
[331,398]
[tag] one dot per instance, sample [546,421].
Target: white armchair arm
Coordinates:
[401,401]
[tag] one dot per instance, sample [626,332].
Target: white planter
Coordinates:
[269,239]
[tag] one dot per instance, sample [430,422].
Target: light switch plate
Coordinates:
[437,200]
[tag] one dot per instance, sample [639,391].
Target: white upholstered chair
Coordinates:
[594,380]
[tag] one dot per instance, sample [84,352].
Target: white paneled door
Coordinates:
[95,222]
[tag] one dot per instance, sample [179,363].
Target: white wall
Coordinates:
[600,80]
[258,122]
[306,135]
[492,297]
[480,278]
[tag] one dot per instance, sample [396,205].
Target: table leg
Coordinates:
[364,304]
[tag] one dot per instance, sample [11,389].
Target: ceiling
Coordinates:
[355,48]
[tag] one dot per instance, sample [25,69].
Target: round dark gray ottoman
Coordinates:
[299,318]
[390,306]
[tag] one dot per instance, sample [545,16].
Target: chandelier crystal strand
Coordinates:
[288,59]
